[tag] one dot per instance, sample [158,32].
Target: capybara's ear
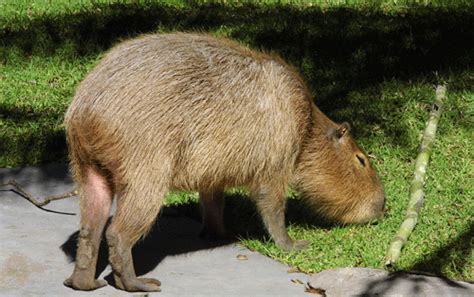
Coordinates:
[339,132]
[344,128]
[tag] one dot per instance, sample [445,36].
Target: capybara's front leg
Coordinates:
[271,204]
[120,257]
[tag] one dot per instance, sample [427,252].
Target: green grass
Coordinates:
[442,241]
[372,63]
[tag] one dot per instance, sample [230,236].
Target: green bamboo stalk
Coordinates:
[416,188]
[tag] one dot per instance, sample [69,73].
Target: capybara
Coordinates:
[190,112]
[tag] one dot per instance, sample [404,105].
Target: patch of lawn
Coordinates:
[371,63]
[442,240]
[34,94]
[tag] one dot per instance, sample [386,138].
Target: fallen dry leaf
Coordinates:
[297,281]
[294,270]
[309,289]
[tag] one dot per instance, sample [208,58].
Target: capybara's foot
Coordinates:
[293,245]
[139,285]
[78,283]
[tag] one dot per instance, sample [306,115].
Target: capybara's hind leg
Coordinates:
[137,208]
[271,202]
[212,212]
[96,199]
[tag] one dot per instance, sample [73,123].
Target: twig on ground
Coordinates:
[37,202]
[416,189]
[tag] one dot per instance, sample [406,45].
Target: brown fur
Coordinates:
[190,112]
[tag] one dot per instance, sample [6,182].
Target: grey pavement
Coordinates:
[375,282]
[37,247]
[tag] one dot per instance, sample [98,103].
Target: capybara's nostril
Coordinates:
[379,208]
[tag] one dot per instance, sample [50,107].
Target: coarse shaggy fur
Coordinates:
[181,111]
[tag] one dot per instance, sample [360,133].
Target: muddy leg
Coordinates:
[271,204]
[212,211]
[96,199]
[136,213]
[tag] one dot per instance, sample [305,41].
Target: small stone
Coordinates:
[242,257]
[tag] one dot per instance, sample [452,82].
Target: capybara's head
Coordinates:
[336,177]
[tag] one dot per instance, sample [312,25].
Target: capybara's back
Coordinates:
[206,113]
[190,112]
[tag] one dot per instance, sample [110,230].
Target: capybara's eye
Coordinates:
[361,159]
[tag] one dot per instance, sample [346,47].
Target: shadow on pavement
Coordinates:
[47,173]
[415,284]
[177,229]
[174,233]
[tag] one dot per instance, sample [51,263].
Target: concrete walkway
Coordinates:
[38,245]
[376,282]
